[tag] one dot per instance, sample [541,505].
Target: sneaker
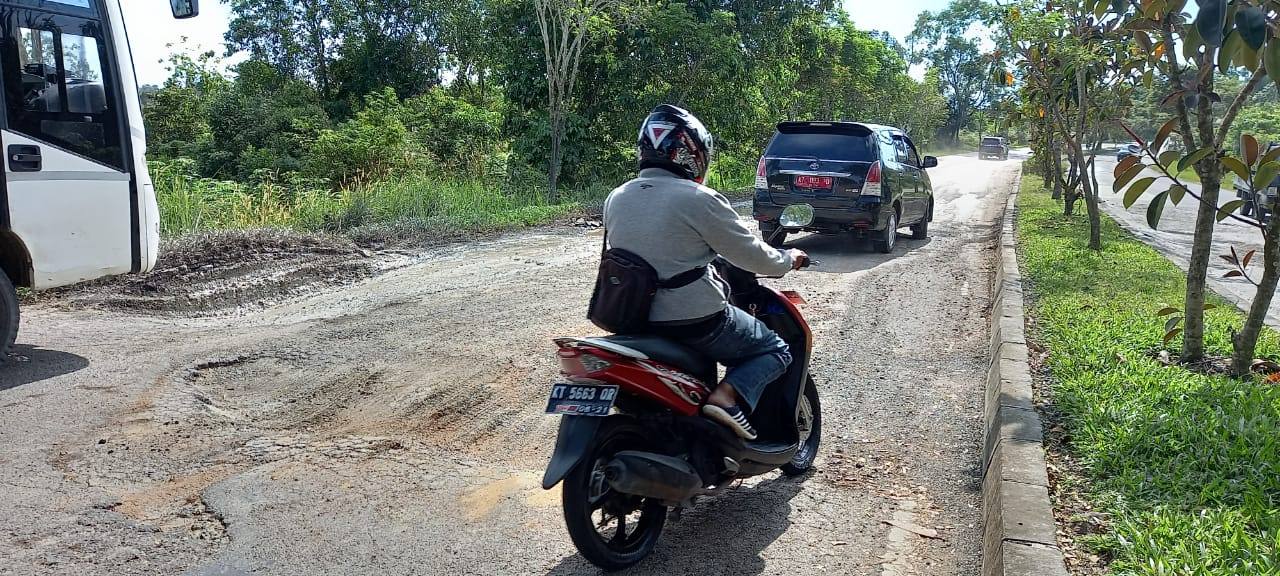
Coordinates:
[732,417]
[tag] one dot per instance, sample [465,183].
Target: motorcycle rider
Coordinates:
[675,223]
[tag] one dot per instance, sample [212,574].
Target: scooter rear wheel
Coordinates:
[809,425]
[610,529]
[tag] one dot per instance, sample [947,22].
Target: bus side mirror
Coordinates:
[930,162]
[183,9]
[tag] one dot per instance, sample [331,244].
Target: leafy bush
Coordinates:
[370,146]
[457,136]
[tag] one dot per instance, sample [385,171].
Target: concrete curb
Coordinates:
[1019,536]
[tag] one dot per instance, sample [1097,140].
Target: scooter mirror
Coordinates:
[796,216]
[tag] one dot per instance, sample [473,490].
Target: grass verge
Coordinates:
[1185,466]
[410,205]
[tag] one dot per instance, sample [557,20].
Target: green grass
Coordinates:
[1187,465]
[189,204]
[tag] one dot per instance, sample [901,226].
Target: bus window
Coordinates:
[56,91]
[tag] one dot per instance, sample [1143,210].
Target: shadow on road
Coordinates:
[27,364]
[843,253]
[720,535]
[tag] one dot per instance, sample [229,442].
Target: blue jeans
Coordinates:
[754,354]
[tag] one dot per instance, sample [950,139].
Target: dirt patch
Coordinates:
[234,271]
[211,273]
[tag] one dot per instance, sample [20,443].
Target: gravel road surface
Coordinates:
[394,425]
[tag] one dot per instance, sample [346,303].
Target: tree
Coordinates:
[566,26]
[297,37]
[945,41]
[1226,35]
[1066,55]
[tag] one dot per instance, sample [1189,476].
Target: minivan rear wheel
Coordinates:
[890,235]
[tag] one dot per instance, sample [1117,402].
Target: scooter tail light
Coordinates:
[872,185]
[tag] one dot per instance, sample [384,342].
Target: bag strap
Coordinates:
[683,279]
[678,281]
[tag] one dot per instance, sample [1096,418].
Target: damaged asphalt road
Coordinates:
[393,425]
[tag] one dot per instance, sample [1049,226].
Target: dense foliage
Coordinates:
[346,92]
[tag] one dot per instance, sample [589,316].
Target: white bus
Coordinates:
[76,202]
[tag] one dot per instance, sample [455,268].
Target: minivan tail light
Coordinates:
[762,181]
[871,187]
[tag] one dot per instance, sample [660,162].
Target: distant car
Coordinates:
[1261,203]
[993,147]
[1128,150]
[864,178]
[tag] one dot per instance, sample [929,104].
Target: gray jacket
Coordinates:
[677,224]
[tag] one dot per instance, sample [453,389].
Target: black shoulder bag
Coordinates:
[625,287]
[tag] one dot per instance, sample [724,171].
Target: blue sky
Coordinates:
[151,27]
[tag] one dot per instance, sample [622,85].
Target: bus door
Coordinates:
[68,193]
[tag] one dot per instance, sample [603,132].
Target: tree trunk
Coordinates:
[1071,194]
[1245,341]
[1210,172]
[553,163]
[1046,163]
[1057,170]
[1091,202]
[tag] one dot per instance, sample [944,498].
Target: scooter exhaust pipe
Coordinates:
[650,475]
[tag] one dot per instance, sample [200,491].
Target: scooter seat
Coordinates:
[663,350]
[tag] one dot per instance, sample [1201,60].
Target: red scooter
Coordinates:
[633,441]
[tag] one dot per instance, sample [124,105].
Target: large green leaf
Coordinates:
[1249,57]
[1191,42]
[1230,48]
[1168,157]
[1225,210]
[1101,8]
[1235,165]
[1192,158]
[1266,173]
[1176,192]
[1271,57]
[1251,22]
[1135,191]
[1155,209]
[1271,154]
[1127,176]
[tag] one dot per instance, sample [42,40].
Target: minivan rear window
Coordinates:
[991,141]
[823,145]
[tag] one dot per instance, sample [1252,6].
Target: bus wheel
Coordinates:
[8,316]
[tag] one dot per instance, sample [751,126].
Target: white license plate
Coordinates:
[572,399]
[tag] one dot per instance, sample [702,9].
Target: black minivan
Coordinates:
[864,178]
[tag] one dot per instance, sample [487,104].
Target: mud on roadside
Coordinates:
[229,271]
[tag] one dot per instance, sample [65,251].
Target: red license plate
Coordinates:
[813,182]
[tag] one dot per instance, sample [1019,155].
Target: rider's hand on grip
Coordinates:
[798,259]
